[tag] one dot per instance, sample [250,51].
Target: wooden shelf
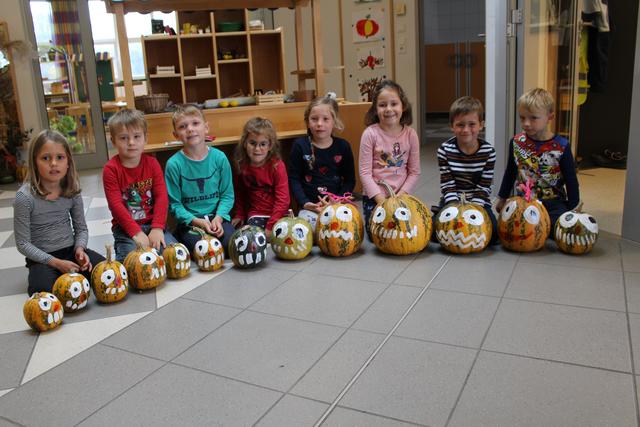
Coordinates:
[212,76]
[260,32]
[159,37]
[231,34]
[163,76]
[233,61]
[195,36]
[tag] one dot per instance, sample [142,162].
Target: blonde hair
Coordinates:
[256,126]
[333,108]
[128,119]
[371,117]
[465,105]
[186,110]
[537,99]
[70,184]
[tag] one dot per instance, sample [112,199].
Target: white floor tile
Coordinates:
[12,317]
[99,227]
[6,194]
[3,392]
[4,235]
[11,257]
[6,213]
[98,202]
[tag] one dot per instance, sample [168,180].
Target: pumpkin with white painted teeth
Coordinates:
[523,225]
[340,229]
[208,252]
[146,268]
[43,311]
[248,247]
[576,232]
[291,237]
[73,290]
[463,227]
[177,260]
[109,280]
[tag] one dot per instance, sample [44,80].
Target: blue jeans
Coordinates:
[123,244]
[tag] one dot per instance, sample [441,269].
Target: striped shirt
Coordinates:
[471,174]
[42,226]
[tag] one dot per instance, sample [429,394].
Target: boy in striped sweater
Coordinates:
[466,162]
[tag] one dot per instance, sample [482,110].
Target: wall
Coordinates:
[451,21]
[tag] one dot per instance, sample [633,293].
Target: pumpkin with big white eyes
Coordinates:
[248,247]
[208,252]
[145,267]
[73,290]
[43,311]
[177,260]
[109,280]
[463,227]
[523,225]
[340,229]
[400,225]
[291,237]
[576,232]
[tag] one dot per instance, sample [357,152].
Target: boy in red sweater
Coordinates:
[134,187]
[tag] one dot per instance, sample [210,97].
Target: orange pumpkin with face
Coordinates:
[177,260]
[109,280]
[523,225]
[340,229]
[463,227]
[73,290]
[43,311]
[145,267]
[208,252]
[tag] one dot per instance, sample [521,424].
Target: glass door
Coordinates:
[67,70]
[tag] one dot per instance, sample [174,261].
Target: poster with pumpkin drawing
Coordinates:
[368,25]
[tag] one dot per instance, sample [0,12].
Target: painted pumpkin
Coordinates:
[340,229]
[208,252]
[463,227]
[312,219]
[145,268]
[109,280]
[367,27]
[576,232]
[400,225]
[177,261]
[523,226]
[73,290]
[291,238]
[43,311]
[248,247]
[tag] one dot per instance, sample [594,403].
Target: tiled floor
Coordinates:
[493,339]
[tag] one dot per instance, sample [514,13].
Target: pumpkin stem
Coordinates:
[199,230]
[290,213]
[388,188]
[108,248]
[579,207]
[463,198]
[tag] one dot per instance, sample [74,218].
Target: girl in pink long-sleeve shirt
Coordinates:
[389,148]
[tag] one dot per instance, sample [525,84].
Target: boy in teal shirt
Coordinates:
[199,182]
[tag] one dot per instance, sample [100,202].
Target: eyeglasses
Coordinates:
[262,144]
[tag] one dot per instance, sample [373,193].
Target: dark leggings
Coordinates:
[43,276]
[189,237]
[555,208]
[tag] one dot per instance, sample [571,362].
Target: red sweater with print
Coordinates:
[136,195]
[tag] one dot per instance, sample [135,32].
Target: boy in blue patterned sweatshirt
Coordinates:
[540,155]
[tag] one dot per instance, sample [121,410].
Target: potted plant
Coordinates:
[66,125]
[15,139]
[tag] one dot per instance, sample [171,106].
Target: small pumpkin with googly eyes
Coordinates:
[291,237]
[177,260]
[145,267]
[400,225]
[73,290]
[463,227]
[109,280]
[523,224]
[248,247]
[340,229]
[43,311]
[576,232]
[208,252]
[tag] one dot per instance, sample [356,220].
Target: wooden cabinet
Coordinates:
[241,61]
[453,70]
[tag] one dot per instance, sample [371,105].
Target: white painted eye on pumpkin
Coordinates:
[402,214]
[241,243]
[532,215]
[344,214]
[508,210]
[108,276]
[215,244]
[299,232]
[568,219]
[379,215]
[44,303]
[261,239]
[473,217]
[448,214]
[148,258]
[123,272]
[75,289]
[202,246]
[589,222]
[86,285]
[327,215]
[181,254]
[280,230]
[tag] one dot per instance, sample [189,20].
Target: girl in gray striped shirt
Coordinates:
[48,220]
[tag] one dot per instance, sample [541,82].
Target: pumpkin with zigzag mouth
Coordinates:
[340,229]
[463,227]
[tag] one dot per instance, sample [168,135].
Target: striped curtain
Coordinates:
[66,34]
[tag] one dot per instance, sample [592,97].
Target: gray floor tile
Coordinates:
[630,255]
[634,323]
[336,368]
[476,276]
[14,281]
[293,411]
[412,381]
[134,302]
[569,334]
[632,282]
[372,265]
[293,265]
[6,203]
[262,349]
[15,351]
[240,288]
[568,285]
[388,309]
[172,329]
[331,300]
[97,243]
[175,395]
[10,242]
[84,383]
[6,224]
[450,318]
[102,212]
[423,267]
[348,417]
[510,391]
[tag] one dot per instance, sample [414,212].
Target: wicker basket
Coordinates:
[152,103]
